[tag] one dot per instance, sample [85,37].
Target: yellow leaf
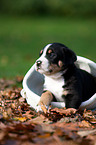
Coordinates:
[22,119]
[46,135]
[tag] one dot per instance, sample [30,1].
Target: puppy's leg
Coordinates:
[72,101]
[45,100]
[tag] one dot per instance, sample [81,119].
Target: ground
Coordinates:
[21,125]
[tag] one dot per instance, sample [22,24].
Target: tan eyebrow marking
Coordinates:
[49,51]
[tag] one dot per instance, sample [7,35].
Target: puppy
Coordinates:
[64,82]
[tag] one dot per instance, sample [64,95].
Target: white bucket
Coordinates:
[33,85]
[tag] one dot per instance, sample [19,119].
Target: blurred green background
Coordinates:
[26,26]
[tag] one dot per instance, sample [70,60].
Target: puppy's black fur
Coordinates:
[79,85]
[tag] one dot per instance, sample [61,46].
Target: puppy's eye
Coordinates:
[41,52]
[50,53]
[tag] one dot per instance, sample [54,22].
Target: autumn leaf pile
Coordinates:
[21,125]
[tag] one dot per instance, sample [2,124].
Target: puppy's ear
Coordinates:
[69,56]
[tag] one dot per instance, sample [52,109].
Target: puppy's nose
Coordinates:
[38,63]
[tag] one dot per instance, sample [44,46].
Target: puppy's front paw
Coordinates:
[42,108]
[38,108]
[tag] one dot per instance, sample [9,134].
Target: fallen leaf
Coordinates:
[37,120]
[66,112]
[21,119]
[85,124]
[5,115]
[43,108]
[2,135]
[45,135]
[21,125]
[85,133]
[19,79]
[47,128]
[93,120]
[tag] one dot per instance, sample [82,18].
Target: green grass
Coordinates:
[21,39]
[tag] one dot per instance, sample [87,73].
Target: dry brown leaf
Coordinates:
[85,124]
[5,115]
[43,108]
[66,112]
[2,135]
[45,135]
[21,125]
[37,120]
[85,133]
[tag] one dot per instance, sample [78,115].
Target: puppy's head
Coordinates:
[54,58]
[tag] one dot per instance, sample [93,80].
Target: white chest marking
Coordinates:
[55,87]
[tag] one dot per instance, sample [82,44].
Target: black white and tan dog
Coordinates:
[64,82]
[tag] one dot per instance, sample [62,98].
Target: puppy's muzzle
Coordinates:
[38,63]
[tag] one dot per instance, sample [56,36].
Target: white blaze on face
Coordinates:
[45,63]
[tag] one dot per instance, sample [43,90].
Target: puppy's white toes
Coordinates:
[38,108]
[42,108]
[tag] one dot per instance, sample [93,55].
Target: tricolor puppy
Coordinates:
[63,80]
